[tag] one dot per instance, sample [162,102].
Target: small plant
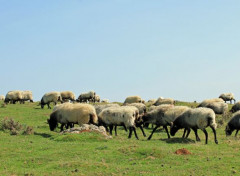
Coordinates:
[28,130]
[3,105]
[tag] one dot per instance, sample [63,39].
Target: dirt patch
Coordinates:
[182,151]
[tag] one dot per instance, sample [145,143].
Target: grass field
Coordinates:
[50,153]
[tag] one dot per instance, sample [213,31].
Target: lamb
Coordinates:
[164,101]
[67,95]
[163,116]
[2,97]
[14,96]
[50,97]
[89,96]
[133,99]
[233,124]
[72,113]
[27,95]
[227,97]
[236,107]
[198,118]
[119,116]
[217,107]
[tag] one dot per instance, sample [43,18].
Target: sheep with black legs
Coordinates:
[67,95]
[118,116]
[14,96]
[163,116]
[27,95]
[233,124]
[198,118]
[87,97]
[100,107]
[227,97]
[140,106]
[72,113]
[217,107]
[50,97]
[133,99]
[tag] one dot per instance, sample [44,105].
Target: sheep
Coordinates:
[141,107]
[14,96]
[50,97]
[97,98]
[217,107]
[27,95]
[235,107]
[227,97]
[119,116]
[99,107]
[105,101]
[89,96]
[197,118]
[72,113]
[2,97]
[152,101]
[133,99]
[233,124]
[67,95]
[204,103]
[163,116]
[164,101]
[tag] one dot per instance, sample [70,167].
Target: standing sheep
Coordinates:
[227,97]
[236,107]
[14,96]
[27,95]
[198,118]
[133,99]
[68,95]
[89,96]
[50,97]
[72,113]
[217,107]
[141,107]
[233,124]
[2,97]
[161,101]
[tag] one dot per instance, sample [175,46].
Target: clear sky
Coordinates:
[187,50]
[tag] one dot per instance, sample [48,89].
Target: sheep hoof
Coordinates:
[216,142]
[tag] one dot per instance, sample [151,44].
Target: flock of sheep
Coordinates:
[133,113]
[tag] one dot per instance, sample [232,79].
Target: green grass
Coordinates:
[50,153]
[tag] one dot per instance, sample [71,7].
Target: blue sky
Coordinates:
[187,50]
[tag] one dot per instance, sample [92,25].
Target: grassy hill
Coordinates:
[50,153]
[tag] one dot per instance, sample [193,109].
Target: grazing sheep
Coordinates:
[67,95]
[133,99]
[89,96]
[2,97]
[217,107]
[161,101]
[233,124]
[204,103]
[27,95]
[227,97]
[163,116]
[152,101]
[105,101]
[14,96]
[50,97]
[101,107]
[236,107]
[141,107]
[118,116]
[72,113]
[198,118]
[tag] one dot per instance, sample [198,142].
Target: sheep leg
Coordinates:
[130,132]
[115,130]
[215,136]
[153,132]
[142,131]
[62,125]
[206,135]
[134,129]
[188,132]
[197,137]
[184,132]
[49,106]
[125,128]
[236,133]
[111,128]
[165,127]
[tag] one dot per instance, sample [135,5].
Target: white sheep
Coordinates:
[235,107]
[72,113]
[217,107]
[2,97]
[67,95]
[14,96]
[141,107]
[161,100]
[100,107]
[204,103]
[227,97]
[198,118]
[133,99]
[88,96]
[233,124]
[105,101]
[163,116]
[50,97]
[118,116]
[27,95]
[97,98]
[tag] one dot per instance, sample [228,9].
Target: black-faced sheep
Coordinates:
[72,113]
[227,97]
[27,95]
[198,118]
[67,95]
[50,97]
[233,124]
[14,96]
[85,97]
[235,107]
